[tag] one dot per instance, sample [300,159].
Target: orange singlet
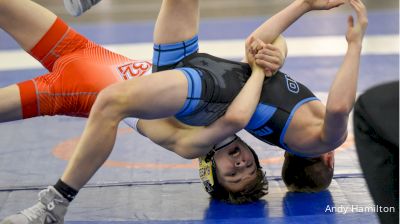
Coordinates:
[79,70]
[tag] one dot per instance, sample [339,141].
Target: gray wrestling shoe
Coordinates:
[77,7]
[50,209]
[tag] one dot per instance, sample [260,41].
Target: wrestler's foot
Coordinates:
[51,208]
[77,7]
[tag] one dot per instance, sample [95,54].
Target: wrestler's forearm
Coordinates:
[245,103]
[198,142]
[342,96]
[280,43]
[343,90]
[278,23]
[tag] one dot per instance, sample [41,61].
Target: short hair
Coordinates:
[305,174]
[253,192]
[257,189]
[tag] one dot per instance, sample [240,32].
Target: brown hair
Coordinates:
[254,191]
[257,189]
[305,174]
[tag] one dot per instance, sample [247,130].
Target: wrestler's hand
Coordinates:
[356,31]
[322,4]
[253,45]
[270,58]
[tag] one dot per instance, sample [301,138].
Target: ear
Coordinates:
[329,159]
[286,154]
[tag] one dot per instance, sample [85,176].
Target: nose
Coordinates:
[240,163]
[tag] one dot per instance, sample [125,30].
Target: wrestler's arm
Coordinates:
[201,140]
[238,114]
[278,23]
[160,131]
[270,31]
[342,93]
[271,56]
[197,141]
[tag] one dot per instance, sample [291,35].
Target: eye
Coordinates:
[232,174]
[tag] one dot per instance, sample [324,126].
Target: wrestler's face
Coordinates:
[235,166]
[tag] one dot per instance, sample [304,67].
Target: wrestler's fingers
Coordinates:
[269,58]
[264,51]
[257,45]
[248,44]
[359,7]
[271,47]
[350,21]
[271,50]
[267,65]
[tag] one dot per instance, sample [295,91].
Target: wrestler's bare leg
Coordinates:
[177,21]
[155,96]
[26,22]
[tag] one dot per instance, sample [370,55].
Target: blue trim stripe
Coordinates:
[177,46]
[282,137]
[262,114]
[194,91]
[169,54]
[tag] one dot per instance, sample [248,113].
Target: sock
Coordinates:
[68,192]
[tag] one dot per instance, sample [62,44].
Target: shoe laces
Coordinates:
[40,209]
[35,212]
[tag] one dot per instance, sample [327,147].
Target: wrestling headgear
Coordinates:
[207,167]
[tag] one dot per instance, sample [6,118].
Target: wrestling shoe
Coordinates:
[50,209]
[77,7]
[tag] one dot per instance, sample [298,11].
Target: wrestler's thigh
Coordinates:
[159,95]
[10,104]
[25,21]
[178,20]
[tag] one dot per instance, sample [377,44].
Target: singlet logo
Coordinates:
[292,85]
[263,131]
[133,69]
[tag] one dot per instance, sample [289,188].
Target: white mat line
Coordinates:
[298,47]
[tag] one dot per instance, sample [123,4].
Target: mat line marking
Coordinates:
[152,183]
[234,48]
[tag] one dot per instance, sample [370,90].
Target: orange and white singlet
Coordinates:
[78,70]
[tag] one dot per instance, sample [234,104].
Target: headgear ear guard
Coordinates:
[207,167]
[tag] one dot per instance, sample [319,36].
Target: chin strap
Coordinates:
[225,142]
[219,146]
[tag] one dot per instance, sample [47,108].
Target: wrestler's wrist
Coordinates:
[257,69]
[304,5]
[355,46]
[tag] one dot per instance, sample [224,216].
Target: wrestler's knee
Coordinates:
[111,103]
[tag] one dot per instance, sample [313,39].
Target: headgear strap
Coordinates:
[219,146]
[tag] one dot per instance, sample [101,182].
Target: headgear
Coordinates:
[207,167]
